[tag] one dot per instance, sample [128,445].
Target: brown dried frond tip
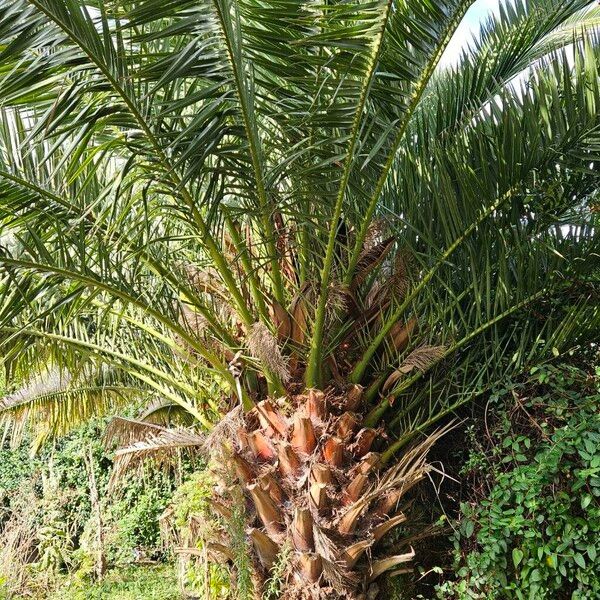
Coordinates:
[194,321]
[264,347]
[422,358]
[375,234]
[337,300]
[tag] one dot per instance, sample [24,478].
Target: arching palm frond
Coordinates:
[228,203]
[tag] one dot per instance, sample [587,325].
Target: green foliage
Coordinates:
[236,528]
[192,496]
[154,206]
[54,490]
[134,520]
[194,521]
[15,467]
[54,543]
[535,534]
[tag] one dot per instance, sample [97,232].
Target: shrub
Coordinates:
[133,520]
[47,526]
[189,522]
[535,533]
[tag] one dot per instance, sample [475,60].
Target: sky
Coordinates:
[469,26]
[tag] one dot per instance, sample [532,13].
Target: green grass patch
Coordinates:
[133,583]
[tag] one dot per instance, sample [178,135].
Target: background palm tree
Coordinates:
[213,203]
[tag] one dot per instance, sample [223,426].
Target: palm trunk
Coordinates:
[316,485]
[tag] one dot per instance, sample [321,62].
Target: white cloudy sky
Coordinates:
[470,25]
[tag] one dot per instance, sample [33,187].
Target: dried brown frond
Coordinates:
[422,358]
[207,283]
[334,569]
[123,432]
[375,234]
[192,320]
[264,347]
[370,259]
[393,282]
[282,320]
[381,566]
[299,310]
[400,279]
[162,448]
[400,334]
[46,383]
[204,280]
[338,301]
[17,408]
[197,326]
[225,430]
[166,413]
[377,294]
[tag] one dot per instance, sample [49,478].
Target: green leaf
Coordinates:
[517,556]
[469,528]
[591,551]
[579,560]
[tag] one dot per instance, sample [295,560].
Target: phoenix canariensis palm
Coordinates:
[288,206]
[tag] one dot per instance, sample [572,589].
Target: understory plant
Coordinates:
[48,521]
[294,238]
[530,527]
[187,527]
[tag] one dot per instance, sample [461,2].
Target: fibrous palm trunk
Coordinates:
[317,486]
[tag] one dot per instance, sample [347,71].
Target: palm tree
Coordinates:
[288,206]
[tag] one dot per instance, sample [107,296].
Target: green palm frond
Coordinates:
[172,174]
[53,403]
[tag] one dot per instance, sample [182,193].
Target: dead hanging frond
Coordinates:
[53,403]
[399,282]
[165,441]
[162,448]
[264,347]
[224,431]
[375,234]
[207,283]
[333,568]
[124,432]
[391,488]
[420,359]
[401,333]
[338,301]
[299,310]
[282,320]
[205,280]
[393,282]
[166,413]
[46,383]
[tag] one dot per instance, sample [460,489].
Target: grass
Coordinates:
[134,583]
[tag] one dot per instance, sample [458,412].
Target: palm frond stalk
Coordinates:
[286,223]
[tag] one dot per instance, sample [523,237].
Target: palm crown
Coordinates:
[213,200]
